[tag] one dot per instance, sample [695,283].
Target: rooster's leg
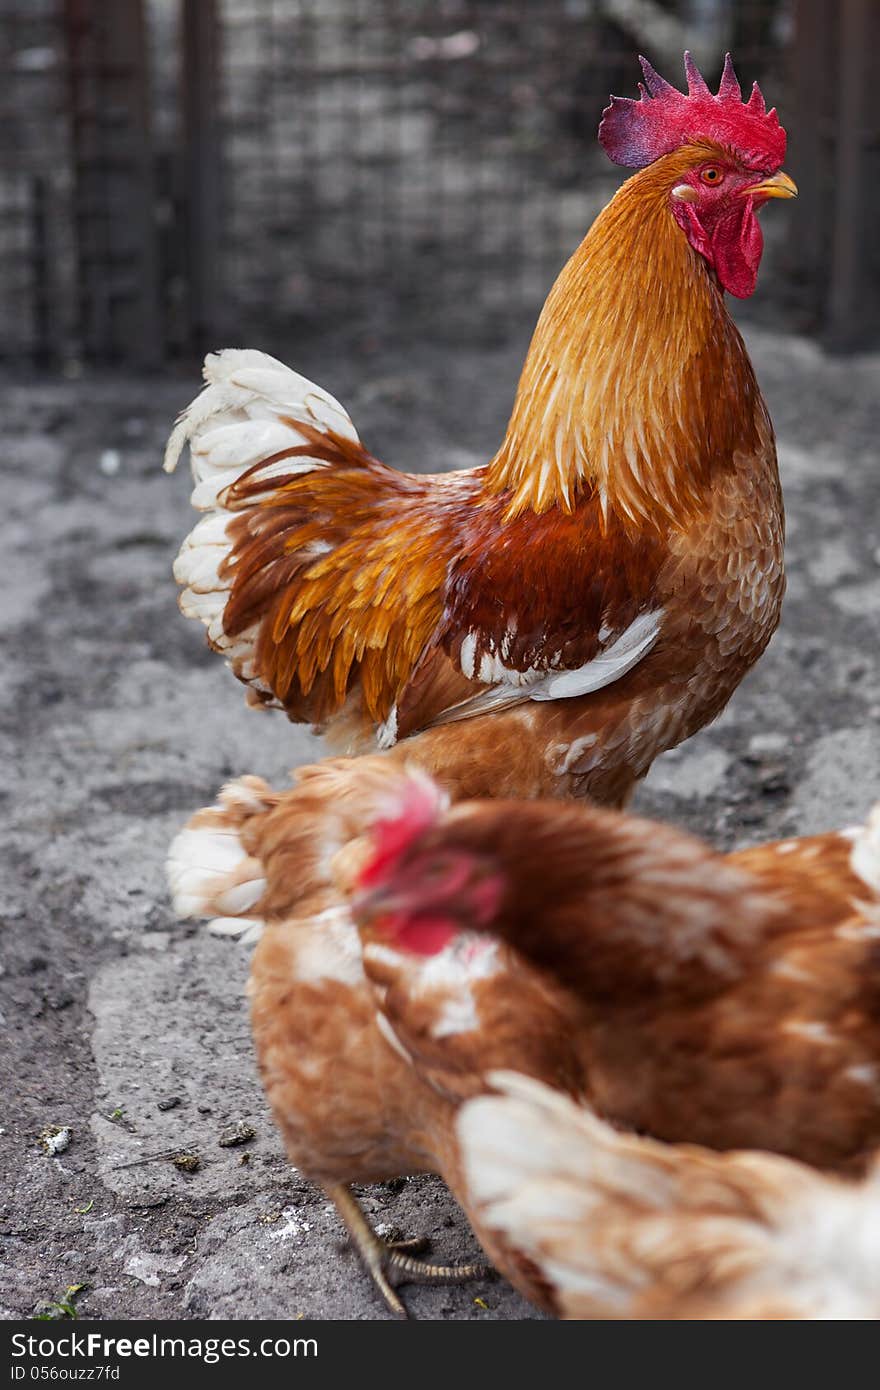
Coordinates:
[383,1259]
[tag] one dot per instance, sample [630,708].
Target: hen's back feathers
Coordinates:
[729,1000]
[210,872]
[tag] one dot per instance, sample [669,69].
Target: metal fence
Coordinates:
[182,172]
[36,240]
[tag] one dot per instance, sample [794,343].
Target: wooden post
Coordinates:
[120,306]
[852,293]
[41,271]
[202,167]
[811,141]
[832,257]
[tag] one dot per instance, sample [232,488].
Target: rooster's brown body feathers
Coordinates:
[597,591]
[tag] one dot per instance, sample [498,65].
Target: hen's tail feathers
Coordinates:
[624,1226]
[246,416]
[214,865]
[210,872]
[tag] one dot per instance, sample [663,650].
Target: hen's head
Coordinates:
[417,885]
[734,151]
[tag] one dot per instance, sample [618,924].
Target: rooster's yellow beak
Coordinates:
[780,186]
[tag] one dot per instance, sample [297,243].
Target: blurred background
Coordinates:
[176,174]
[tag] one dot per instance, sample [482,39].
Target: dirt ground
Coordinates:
[117,723]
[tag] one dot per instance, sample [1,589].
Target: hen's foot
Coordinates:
[384,1260]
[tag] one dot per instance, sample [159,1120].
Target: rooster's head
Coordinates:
[733,152]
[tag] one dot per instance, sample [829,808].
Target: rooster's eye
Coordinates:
[712,175]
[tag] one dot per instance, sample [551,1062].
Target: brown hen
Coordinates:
[727,1000]
[347,1100]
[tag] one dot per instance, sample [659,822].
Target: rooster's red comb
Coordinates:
[635,133]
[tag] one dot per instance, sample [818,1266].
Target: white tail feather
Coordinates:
[210,873]
[865,856]
[247,412]
[198,567]
[246,930]
[253,393]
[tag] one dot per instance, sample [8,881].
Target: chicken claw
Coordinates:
[383,1258]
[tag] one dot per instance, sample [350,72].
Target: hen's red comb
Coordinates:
[416,806]
[635,133]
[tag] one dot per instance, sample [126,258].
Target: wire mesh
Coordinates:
[254,169]
[430,159]
[36,239]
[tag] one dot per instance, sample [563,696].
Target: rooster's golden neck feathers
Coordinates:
[637,385]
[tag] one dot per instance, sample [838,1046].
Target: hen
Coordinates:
[599,589]
[619,1226]
[368,1046]
[347,1100]
[726,1000]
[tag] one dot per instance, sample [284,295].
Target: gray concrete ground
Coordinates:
[117,722]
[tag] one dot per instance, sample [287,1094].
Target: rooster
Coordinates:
[725,1000]
[382,993]
[613,1225]
[601,586]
